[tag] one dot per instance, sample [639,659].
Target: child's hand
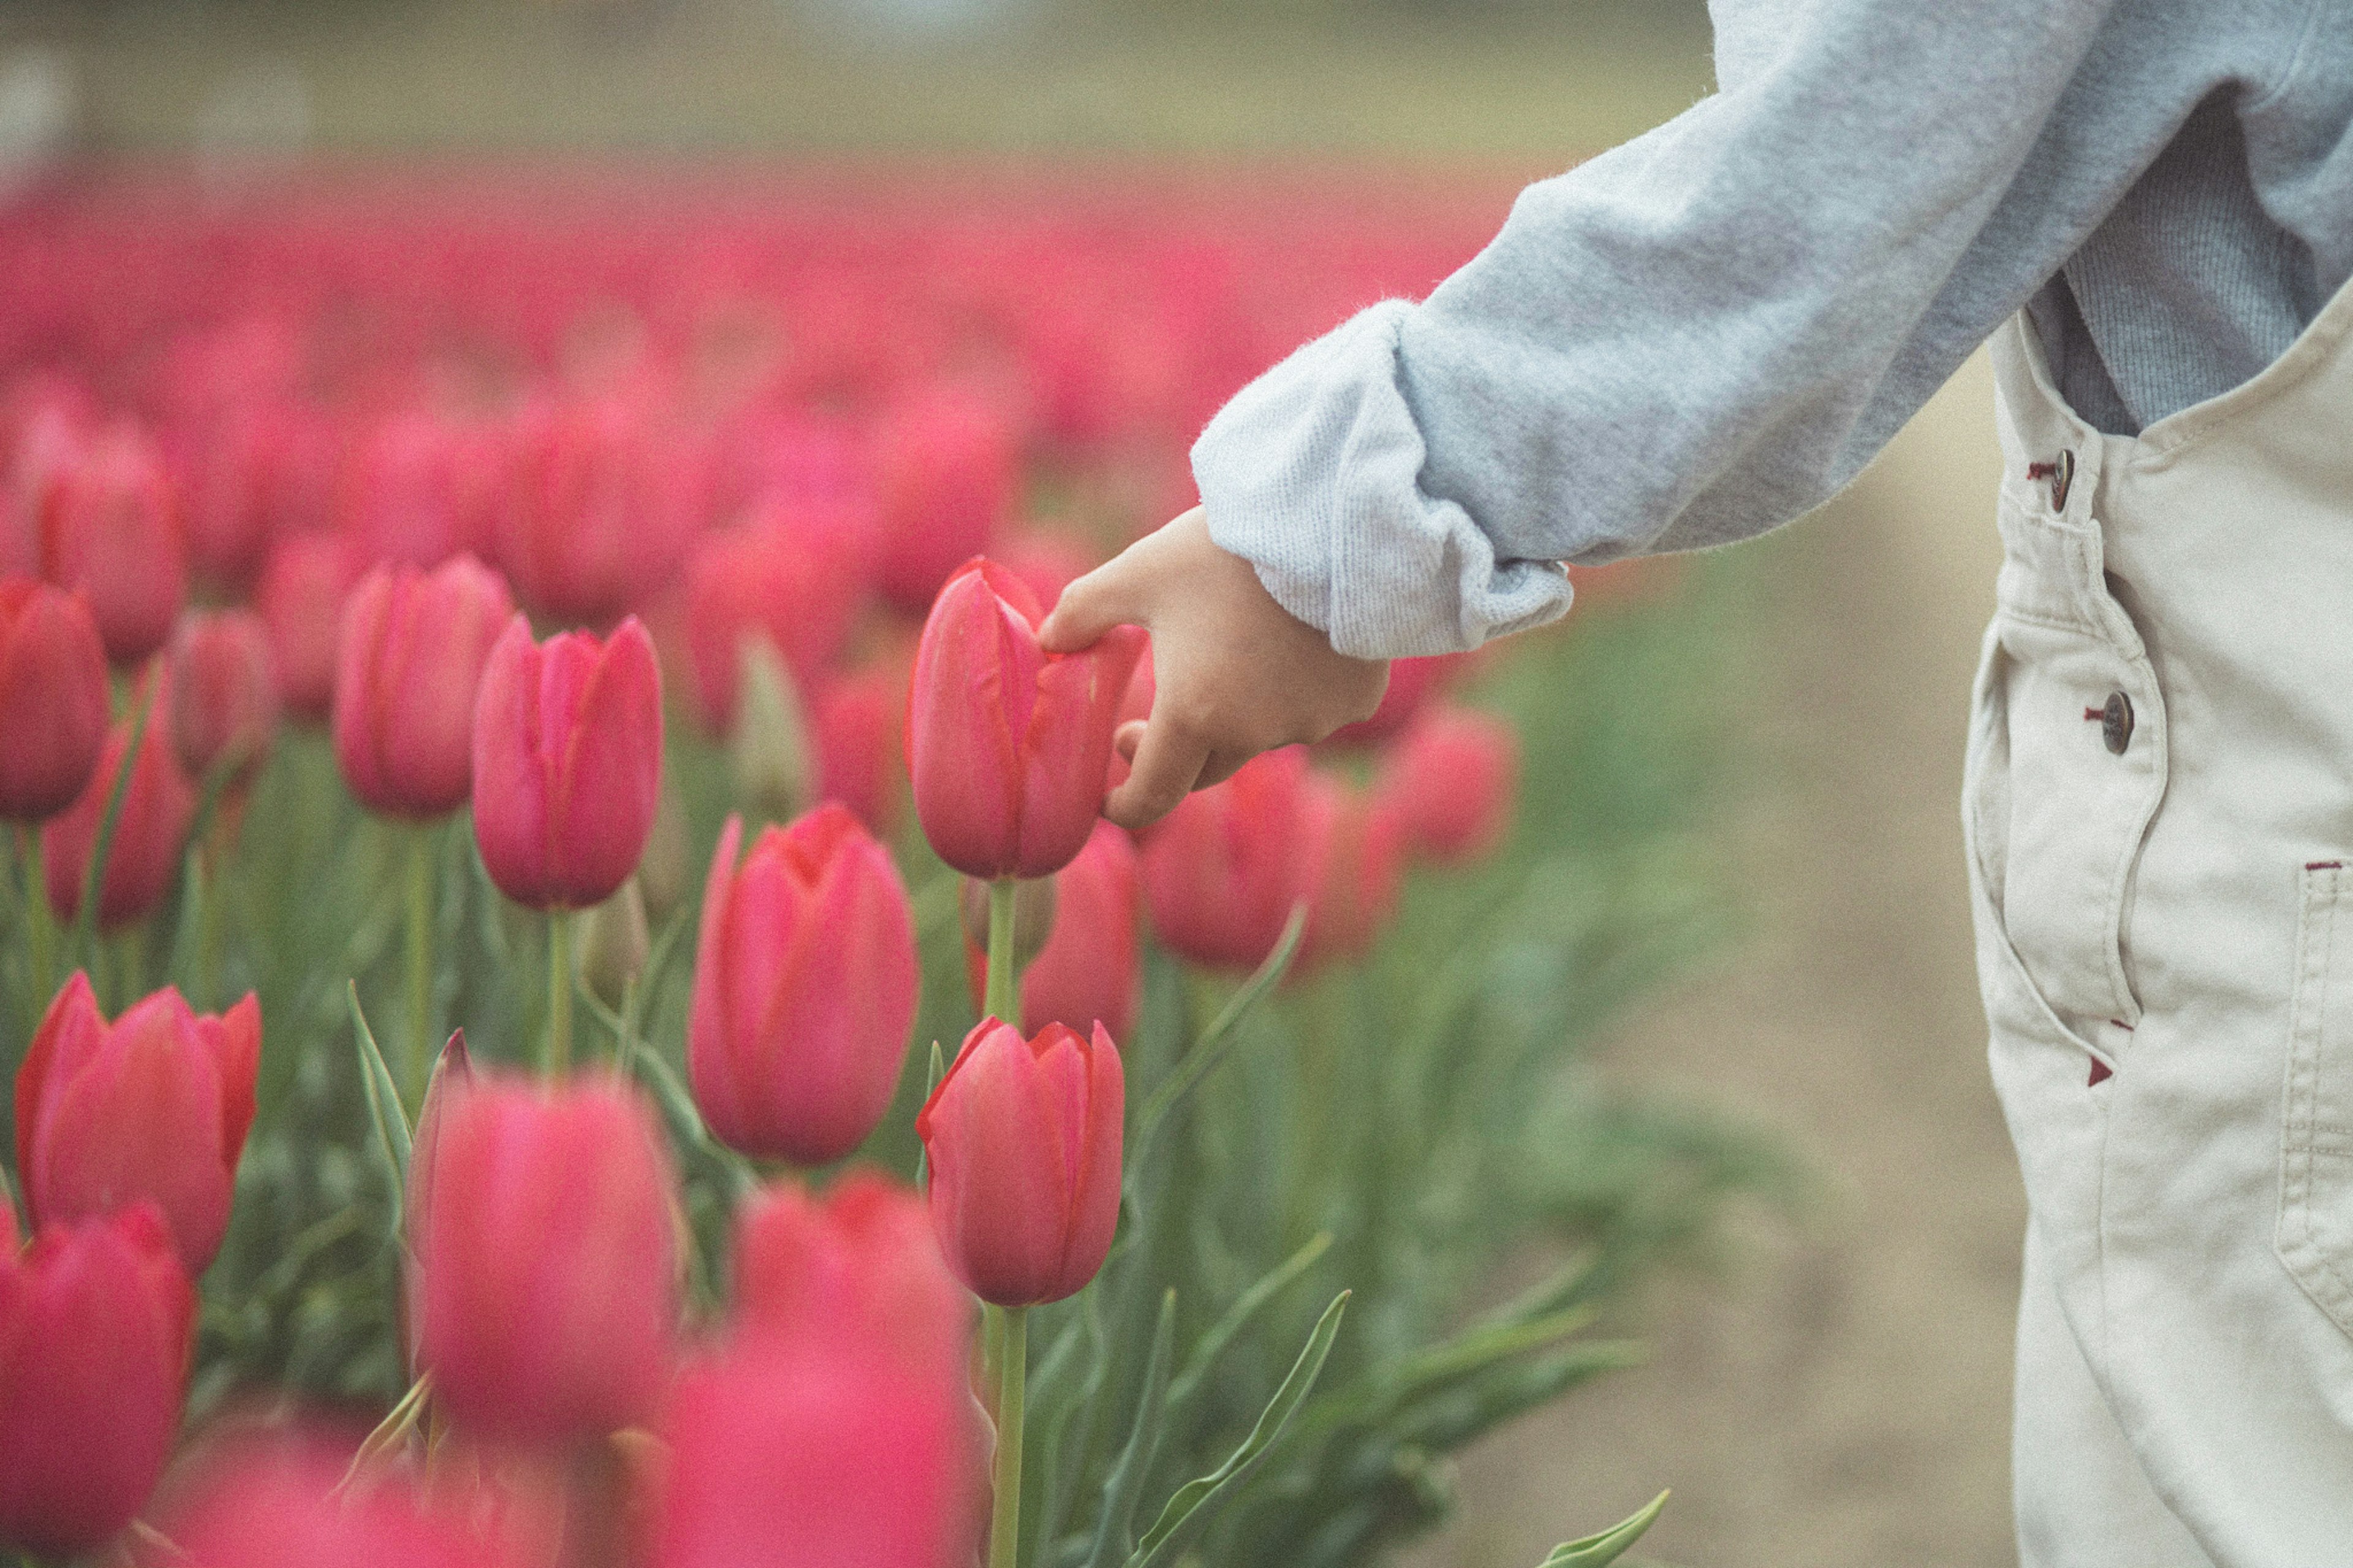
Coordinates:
[1235,673]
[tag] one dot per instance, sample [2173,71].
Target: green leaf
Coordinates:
[922,1154]
[1238,1317]
[687,1126]
[93,876]
[1215,1041]
[392,1133]
[1115,1532]
[389,1435]
[1188,1510]
[1607,1547]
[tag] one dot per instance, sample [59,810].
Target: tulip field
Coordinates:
[569,998]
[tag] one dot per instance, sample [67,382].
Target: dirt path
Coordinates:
[1840,1397]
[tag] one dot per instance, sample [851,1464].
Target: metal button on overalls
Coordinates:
[2116,722]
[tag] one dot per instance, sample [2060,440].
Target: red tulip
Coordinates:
[408,661]
[1023,1140]
[1009,745]
[944,460]
[567,762]
[861,722]
[858,1263]
[816,1456]
[795,590]
[804,989]
[1089,970]
[95,1326]
[300,601]
[265,1503]
[1349,865]
[153,1105]
[417,489]
[109,526]
[1222,872]
[1413,683]
[603,500]
[52,698]
[224,699]
[1450,780]
[545,1259]
[254,472]
[157,810]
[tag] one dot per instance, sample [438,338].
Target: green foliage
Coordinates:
[1384,1135]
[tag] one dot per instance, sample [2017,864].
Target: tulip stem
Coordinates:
[420,960]
[1004,994]
[40,930]
[559,993]
[1004,1519]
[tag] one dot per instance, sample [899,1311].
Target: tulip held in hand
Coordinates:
[153,1105]
[567,762]
[1009,745]
[804,989]
[1023,1139]
[96,1322]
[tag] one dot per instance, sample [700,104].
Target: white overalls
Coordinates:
[2159,811]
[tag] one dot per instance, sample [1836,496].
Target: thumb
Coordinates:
[1105,597]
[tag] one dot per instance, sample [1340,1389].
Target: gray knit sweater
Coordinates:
[1702,334]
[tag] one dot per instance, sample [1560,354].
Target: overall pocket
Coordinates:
[2314,1238]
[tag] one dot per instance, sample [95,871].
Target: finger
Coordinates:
[1167,761]
[1221,766]
[1105,597]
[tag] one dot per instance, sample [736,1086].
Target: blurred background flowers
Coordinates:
[1828,1385]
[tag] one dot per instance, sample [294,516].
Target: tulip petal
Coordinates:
[607,777]
[510,805]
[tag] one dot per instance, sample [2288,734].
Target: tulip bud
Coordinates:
[768,756]
[416,489]
[1348,869]
[861,722]
[1222,872]
[408,661]
[613,945]
[1450,780]
[96,1320]
[1090,970]
[859,1262]
[1009,745]
[1034,912]
[154,1105]
[109,526]
[158,808]
[794,589]
[545,1256]
[805,983]
[567,762]
[945,463]
[53,698]
[300,601]
[600,511]
[1023,1142]
[822,1455]
[224,701]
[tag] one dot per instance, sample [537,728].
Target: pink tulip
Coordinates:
[944,460]
[861,722]
[1089,971]
[158,808]
[254,472]
[805,986]
[110,526]
[1413,683]
[1449,781]
[857,1262]
[1349,867]
[545,1259]
[1023,1140]
[53,698]
[567,762]
[1222,872]
[96,1322]
[152,1107]
[417,489]
[224,695]
[604,498]
[300,601]
[763,581]
[1009,745]
[408,662]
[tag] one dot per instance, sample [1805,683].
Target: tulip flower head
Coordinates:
[408,662]
[805,987]
[224,695]
[1023,1141]
[944,462]
[546,1257]
[856,1263]
[158,807]
[798,588]
[301,600]
[109,526]
[1450,780]
[96,1324]
[53,702]
[152,1106]
[1349,865]
[1222,872]
[567,762]
[1009,745]
[1090,969]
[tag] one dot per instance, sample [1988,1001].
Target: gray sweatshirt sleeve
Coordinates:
[1686,340]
